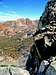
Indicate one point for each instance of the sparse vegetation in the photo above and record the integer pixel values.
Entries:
(11, 47)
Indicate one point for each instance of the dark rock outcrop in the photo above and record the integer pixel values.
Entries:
(45, 44)
(49, 15)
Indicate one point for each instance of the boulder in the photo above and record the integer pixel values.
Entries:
(19, 71)
(13, 71)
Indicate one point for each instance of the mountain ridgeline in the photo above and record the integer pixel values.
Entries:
(10, 28)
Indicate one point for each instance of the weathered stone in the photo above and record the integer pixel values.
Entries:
(13, 71)
(4, 71)
(19, 71)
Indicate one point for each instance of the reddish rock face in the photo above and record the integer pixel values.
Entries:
(22, 22)
(3, 27)
(11, 27)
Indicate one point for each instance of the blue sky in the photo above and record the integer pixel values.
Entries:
(13, 9)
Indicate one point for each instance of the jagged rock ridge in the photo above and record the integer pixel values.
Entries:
(49, 15)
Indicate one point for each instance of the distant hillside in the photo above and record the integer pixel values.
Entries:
(20, 25)
(16, 41)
